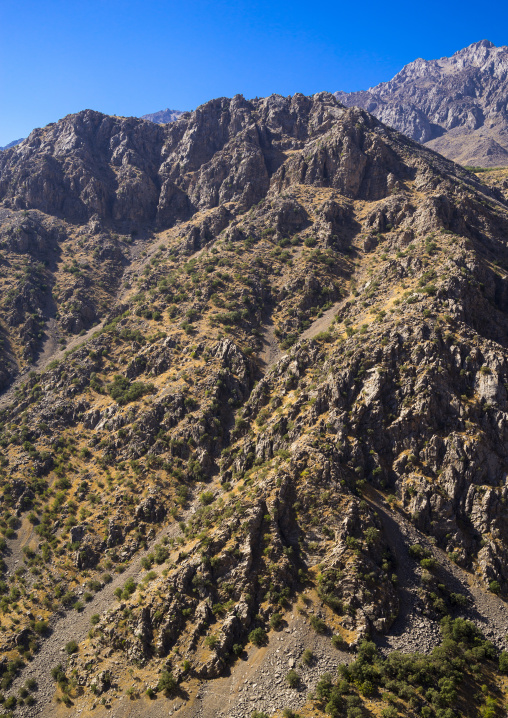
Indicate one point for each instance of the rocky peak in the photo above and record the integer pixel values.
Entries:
(456, 105)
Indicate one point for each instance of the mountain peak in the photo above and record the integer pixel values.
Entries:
(477, 45)
(163, 116)
(454, 103)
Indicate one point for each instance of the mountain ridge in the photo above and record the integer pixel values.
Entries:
(254, 415)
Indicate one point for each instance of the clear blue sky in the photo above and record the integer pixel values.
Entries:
(131, 57)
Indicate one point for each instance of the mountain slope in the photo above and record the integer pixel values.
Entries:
(455, 105)
(277, 415)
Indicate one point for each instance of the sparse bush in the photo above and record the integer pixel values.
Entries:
(41, 627)
(211, 641)
(293, 679)
(71, 647)
(206, 498)
(275, 620)
(123, 391)
(317, 624)
(258, 637)
(495, 587)
(167, 682)
(307, 657)
(503, 662)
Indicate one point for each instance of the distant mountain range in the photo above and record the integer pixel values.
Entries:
(12, 144)
(456, 105)
(163, 116)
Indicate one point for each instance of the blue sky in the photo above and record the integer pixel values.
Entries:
(130, 57)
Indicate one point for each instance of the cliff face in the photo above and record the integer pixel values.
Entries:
(255, 372)
(455, 105)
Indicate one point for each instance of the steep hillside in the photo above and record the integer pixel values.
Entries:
(254, 414)
(455, 105)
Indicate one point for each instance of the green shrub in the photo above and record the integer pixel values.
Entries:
(41, 627)
(206, 498)
(211, 641)
(389, 712)
(307, 657)
(167, 683)
(275, 620)
(123, 391)
(293, 679)
(428, 563)
(503, 662)
(317, 624)
(258, 637)
(71, 647)
(495, 587)
(338, 642)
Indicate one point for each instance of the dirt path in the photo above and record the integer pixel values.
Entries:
(271, 351)
(13, 555)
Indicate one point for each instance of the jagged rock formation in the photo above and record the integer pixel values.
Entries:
(455, 105)
(163, 116)
(285, 330)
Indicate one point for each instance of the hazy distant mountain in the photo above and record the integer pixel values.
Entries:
(455, 105)
(163, 116)
(12, 144)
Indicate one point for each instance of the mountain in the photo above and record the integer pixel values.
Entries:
(253, 421)
(455, 105)
(12, 144)
(163, 116)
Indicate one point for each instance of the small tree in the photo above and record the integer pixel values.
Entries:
(292, 679)
(258, 637)
(503, 662)
(167, 683)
